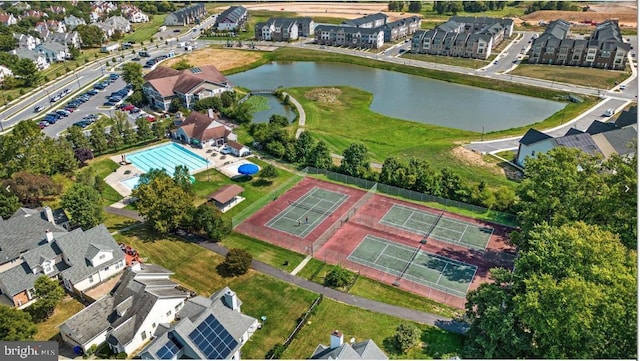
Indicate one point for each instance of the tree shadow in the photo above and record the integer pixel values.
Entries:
(223, 271)
(262, 183)
(243, 178)
(390, 347)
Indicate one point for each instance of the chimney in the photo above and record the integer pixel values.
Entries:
(336, 339)
(231, 300)
(210, 113)
(48, 235)
(49, 213)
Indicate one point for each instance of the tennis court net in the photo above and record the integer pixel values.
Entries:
(324, 212)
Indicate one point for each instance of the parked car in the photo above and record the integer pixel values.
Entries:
(176, 31)
(609, 112)
(54, 115)
(134, 110)
(99, 86)
(225, 150)
(108, 104)
(38, 109)
(623, 87)
(115, 99)
(62, 112)
(81, 124)
(114, 76)
(92, 92)
(43, 124)
(128, 107)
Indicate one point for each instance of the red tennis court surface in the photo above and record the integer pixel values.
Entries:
(352, 229)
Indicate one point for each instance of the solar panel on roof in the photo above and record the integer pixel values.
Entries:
(167, 351)
(213, 339)
(196, 70)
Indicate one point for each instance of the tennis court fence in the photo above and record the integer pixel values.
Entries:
(408, 194)
(326, 235)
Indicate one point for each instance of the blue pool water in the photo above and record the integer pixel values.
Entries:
(166, 157)
(131, 183)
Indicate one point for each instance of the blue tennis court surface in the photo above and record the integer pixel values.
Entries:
(166, 157)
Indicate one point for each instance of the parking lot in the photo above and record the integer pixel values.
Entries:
(94, 106)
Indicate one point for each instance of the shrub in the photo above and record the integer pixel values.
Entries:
(407, 336)
(236, 262)
(275, 352)
(338, 277)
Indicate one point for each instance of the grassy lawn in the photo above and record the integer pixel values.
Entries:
(361, 324)
(447, 60)
(195, 268)
(254, 188)
(115, 222)
(341, 123)
(144, 31)
(597, 78)
(316, 270)
(264, 252)
(64, 310)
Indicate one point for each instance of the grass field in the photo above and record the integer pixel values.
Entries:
(264, 252)
(144, 31)
(447, 60)
(361, 324)
(64, 310)
(596, 78)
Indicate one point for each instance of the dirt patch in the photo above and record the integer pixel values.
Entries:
(324, 95)
(625, 13)
(223, 59)
(472, 158)
(333, 10)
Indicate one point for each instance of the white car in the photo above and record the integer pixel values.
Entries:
(609, 112)
(623, 87)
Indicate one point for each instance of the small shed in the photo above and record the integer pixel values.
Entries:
(227, 197)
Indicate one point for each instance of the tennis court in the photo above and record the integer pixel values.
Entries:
(303, 215)
(446, 229)
(413, 264)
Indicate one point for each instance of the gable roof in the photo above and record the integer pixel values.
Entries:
(583, 142)
(600, 127)
(533, 136)
(167, 81)
(365, 350)
(91, 321)
(627, 117)
(25, 230)
(192, 314)
(226, 193)
(203, 128)
(233, 14)
(573, 131)
(75, 246)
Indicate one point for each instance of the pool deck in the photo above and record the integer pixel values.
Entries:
(218, 161)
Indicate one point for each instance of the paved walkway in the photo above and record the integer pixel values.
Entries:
(301, 265)
(442, 322)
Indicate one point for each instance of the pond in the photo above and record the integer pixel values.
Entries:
(409, 97)
(275, 107)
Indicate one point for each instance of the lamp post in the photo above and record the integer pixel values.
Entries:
(78, 80)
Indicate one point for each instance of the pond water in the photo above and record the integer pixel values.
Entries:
(409, 97)
(275, 107)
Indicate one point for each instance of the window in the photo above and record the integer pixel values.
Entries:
(169, 313)
(106, 269)
(143, 334)
(91, 279)
(102, 256)
(47, 268)
(153, 325)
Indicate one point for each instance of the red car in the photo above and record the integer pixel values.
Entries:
(151, 118)
(128, 107)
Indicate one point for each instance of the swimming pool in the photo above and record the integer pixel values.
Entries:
(131, 183)
(166, 157)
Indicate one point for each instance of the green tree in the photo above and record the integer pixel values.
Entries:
(304, 146)
(276, 149)
(143, 129)
(15, 324)
(355, 161)
(278, 120)
(407, 336)
(183, 64)
(227, 99)
(321, 156)
(268, 172)
(207, 220)
(159, 130)
(182, 178)
(236, 262)
(49, 294)
(162, 202)
(77, 138)
(114, 138)
(98, 138)
(27, 70)
(91, 35)
(415, 6)
(31, 189)
(9, 203)
(132, 74)
(338, 277)
(84, 205)
(8, 43)
(203, 105)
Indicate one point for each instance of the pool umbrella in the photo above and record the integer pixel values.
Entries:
(248, 169)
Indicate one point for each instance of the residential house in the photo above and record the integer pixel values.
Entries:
(211, 328)
(8, 19)
(129, 316)
(605, 139)
(226, 197)
(370, 21)
(401, 28)
(40, 61)
(339, 350)
(469, 37)
(81, 259)
(4, 72)
(186, 15)
(36, 14)
(118, 23)
(284, 29)
(163, 84)
(56, 26)
(337, 35)
(69, 39)
(56, 9)
(202, 130)
(26, 41)
(605, 48)
(72, 22)
(54, 52)
(100, 8)
(137, 17)
(21, 5)
(232, 18)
